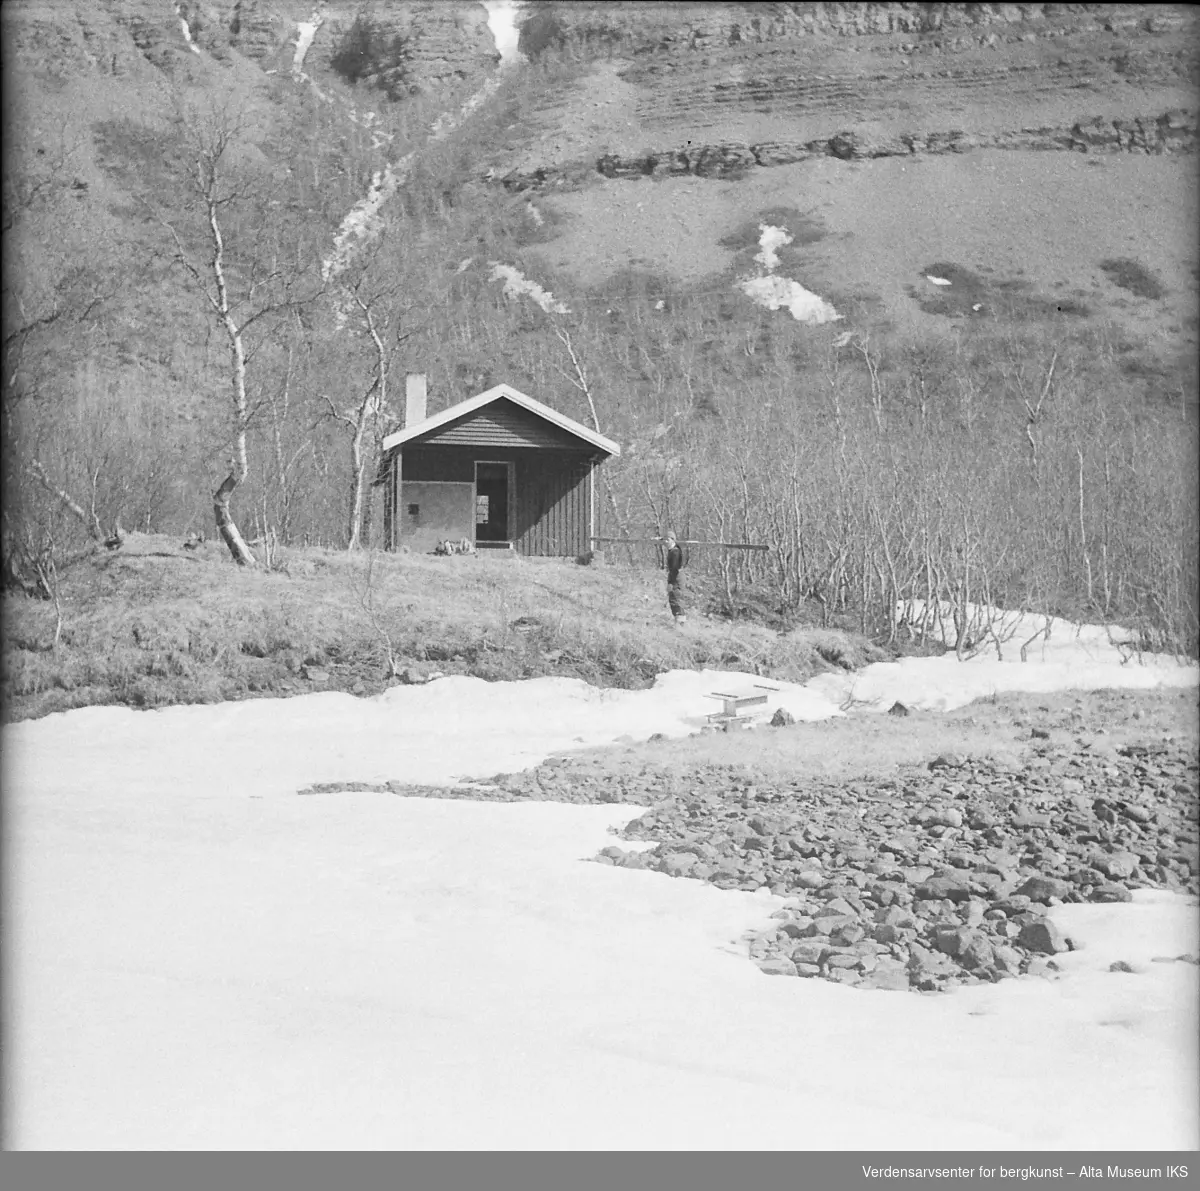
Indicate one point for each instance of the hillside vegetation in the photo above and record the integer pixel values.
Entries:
(1024, 434)
(153, 624)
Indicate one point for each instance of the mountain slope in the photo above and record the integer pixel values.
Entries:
(907, 293)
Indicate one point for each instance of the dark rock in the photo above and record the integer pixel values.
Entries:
(1039, 888)
(782, 718)
(976, 951)
(839, 905)
(810, 952)
(677, 864)
(949, 888)
(1110, 893)
(826, 924)
(850, 934)
(841, 960)
(1041, 936)
(1117, 865)
(891, 978)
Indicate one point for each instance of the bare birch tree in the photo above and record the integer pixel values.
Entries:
(251, 285)
(211, 140)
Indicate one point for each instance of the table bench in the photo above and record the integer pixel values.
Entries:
(733, 705)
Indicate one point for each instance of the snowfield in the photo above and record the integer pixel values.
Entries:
(201, 959)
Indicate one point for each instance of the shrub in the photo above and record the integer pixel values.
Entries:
(367, 52)
(1134, 277)
(541, 31)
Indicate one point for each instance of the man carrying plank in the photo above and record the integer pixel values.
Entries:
(675, 564)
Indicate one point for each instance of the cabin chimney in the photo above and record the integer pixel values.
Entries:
(414, 399)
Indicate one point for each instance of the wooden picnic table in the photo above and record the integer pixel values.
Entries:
(732, 705)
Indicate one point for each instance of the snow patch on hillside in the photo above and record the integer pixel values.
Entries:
(781, 293)
(362, 222)
(778, 293)
(305, 32)
(516, 284)
(446, 124)
(772, 239)
(187, 29)
(502, 21)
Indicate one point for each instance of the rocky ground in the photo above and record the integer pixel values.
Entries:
(942, 872)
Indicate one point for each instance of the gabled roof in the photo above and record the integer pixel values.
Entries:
(496, 394)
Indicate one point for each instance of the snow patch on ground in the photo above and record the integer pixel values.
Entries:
(516, 284)
(994, 632)
(1022, 652)
(942, 684)
(200, 959)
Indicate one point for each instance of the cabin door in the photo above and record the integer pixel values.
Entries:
(493, 497)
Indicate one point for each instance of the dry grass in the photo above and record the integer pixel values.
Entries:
(869, 745)
(152, 625)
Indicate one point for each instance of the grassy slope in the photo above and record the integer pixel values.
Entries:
(153, 624)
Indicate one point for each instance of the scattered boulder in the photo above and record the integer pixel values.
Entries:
(951, 888)
(1042, 937)
(1117, 865)
(1111, 893)
(678, 864)
(1039, 889)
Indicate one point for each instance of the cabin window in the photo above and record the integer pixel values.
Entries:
(414, 510)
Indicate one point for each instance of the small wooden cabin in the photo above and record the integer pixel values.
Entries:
(500, 470)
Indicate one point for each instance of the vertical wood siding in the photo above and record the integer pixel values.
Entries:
(556, 509)
(550, 506)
